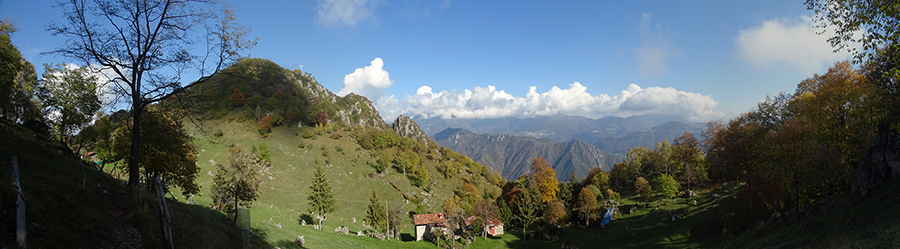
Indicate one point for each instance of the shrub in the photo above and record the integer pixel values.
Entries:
(237, 98)
(219, 133)
(336, 136)
(667, 186)
(307, 132)
(642, 186)
(265, 125)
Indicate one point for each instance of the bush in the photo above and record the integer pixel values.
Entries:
(237, 98)
(219, 133)
(265, 125)
(307, 132)
(336, 136)
(667, 186)
(642, 186)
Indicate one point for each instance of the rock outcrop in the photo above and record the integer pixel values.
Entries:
(405, 127)
(881, 163)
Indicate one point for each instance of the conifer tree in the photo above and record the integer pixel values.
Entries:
(321, 200)
(375, 215)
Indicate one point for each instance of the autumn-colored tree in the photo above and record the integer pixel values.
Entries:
(555, 214)
(278, 95)
(487, 210)
(544, 179)
(597, 178)
(469, 194)
(237, 98)
(322, 118)
(687, 153)
(265, 125)
(586, 205)
(642, 186)
(289, 115)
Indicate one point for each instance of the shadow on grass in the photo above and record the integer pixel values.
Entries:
(405, 237)
(285, 244)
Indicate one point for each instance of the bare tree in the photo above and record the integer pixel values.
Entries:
(149, 45)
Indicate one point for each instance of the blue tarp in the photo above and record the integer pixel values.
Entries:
(607, 217)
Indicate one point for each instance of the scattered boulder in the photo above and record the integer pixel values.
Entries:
(359, 233)
(880, 164)
(303, 222)
(300, 240)
(345, 230)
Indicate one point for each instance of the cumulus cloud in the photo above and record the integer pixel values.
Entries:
(654, 50)
(367, 81)
(370, 81)
(489, 102)
(334, 13)
(792, 42)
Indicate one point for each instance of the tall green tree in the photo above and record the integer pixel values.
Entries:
(238, 183)
(148, 47)
(528, 207)
(168, 150)
(321, 200)
(19, 87)
(72, 98)
(667, 186)
(872, 24)
(375, 213)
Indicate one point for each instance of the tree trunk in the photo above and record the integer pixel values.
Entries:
(134, 157)
(235, 208)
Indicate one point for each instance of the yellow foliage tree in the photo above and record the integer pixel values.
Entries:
(544, 179)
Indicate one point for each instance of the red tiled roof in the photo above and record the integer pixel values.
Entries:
(430, 219)
(492, 222)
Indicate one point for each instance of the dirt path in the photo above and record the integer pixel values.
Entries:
(123, 235)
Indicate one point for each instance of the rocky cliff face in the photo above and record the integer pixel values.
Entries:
(881, 163)
(405, 127)
(350, 110)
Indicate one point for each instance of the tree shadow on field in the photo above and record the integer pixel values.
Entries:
(305, 217)
(285, 244)
(406, 237)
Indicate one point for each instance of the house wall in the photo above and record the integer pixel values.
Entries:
(420, 232)
(498, 230)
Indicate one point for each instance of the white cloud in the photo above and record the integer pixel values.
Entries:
(370, 81)
(654, 50)
(489, 102)
(333, 13)
(792, 42)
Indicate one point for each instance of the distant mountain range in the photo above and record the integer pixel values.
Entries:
(556, 127)
(569, 143)
(512, 155)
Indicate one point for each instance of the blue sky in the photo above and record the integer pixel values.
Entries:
(480, 59)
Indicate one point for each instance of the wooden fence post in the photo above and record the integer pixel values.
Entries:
(20, 205)
(164, 221)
